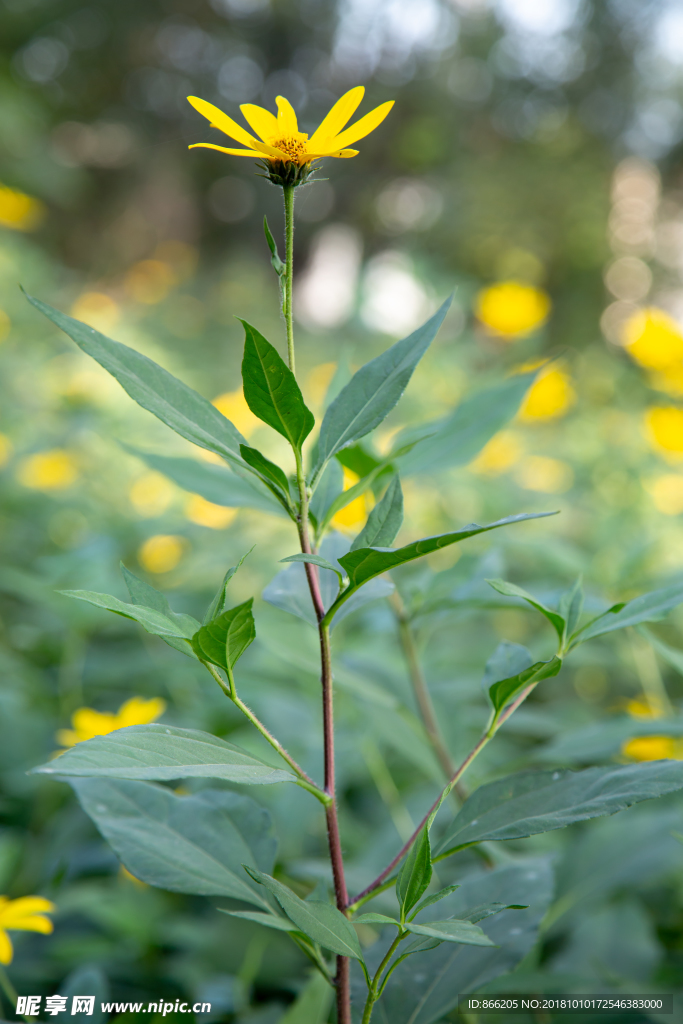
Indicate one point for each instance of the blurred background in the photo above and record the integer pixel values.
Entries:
(533, 161)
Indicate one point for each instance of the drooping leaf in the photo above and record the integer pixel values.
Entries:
(225, 639)
(150, 619)
(273, 477)
(363, 564)
(452, 931)
(415, 874)
(384, 521)
(571, 606)
(280, 924)
(532, 802)
(505, 691)
(319, 920)
(216, 484)
(374, 390)
(511, 590)
(218, 603)
(194, 844)
(154, 388)
(162, 753)
(456, 440)
(146, 596)
(271, 390)
(647, 608)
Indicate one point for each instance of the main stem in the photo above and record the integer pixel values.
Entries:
(342, 978)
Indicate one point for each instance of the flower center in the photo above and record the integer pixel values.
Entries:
(294, 148)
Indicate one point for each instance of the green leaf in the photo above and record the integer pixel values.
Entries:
(452, 931)
(533, 802)
(485, 910)
(313, 1004)
(330, 486)
(374, 390)
(218, 603)
(271, 390)
(384, 521)
(272, 476)
(145, 596)
(319, 920)
(506, 690)
(376, 919)
(511, 590)
(415, 874)
(456, 440)
(278, 266)
(163, 753)
(365, 563)
(647, 608)
(225, 639)
(150, 619)
(571, 606)
(350, 494)
(322, 563)
(214, 483)
(193, 844)
(154, 388)
(280, 924)
(507, 660)
(434, 898)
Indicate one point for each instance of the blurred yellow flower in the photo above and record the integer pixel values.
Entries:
(667, 493)
(161, 553)
(653, 748)
(540, 473)
(664, 425)
(97, 310)
(5, 449)
(234, 406)
(280, 139)
(205, 513)
(318, 381)
(5, 325)
(642, 707)
(19, 211)
(502, 452)
(356, 512)
(48, 471)
(653, 339)
(550, 396)
(86, 722)
(25, 914)
(150, 281)
(151, 494)
(512, 309)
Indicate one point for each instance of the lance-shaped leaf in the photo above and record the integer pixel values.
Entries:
(507, 660)
(318, 560)
(647, 608)
(511, 590)
(415, 874)
(533, 802)
(271, 390)
(272, 476)
(436, 897)
(381, 919)
(344, 498)
(150, 619)
(571, 606)
(154, 388)
(363, 564)
(218, 603)
(456, 440)
(319, 920)
(505, 691)
(374, 390)
(384, 521)
(216, 484)
(452, 931)
(143, 594)
(280, 924)
(225, 639)
(192, 844)
(161, 753)
(279, 267)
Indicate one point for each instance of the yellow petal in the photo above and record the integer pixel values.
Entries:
(67, 737)
(222, 149)
(361, 128)
(345, 154)
(221, 121)
(270, 151)
(88, 723)
(6, 950)
(137, 711)
(33, 923)
(23, 908)
(262, 121)
(286, 118)
(340, 113)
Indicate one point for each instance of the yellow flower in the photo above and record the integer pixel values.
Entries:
(653, 339)
(19, 211)
(26, 915)
(512, 309)
(151, 494)
(161, 553)
(665, 427)
(281, 142)
(652, 748)
(501, 452)
(234, 406)
(356, 512)
(551, 395)
(540, 473)
(667, 493)
(87, 722)
(644, 707)
(48, 471)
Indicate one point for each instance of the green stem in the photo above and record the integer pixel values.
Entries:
(373, 994)
(288, 195)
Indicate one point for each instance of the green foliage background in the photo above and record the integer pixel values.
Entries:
(508, 136)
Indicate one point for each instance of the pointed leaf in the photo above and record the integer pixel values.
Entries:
(144, 595)
(374, 390)
(154, 388)
(218, 603)
(322, 563)
(163, 753)
(150, 619)
(271, 390)
(511, 590)
(647, 608)
(415, 874)
(505, 691)
(452, 931)
(384, 521)
(273, 477)
(507, 660)
(190, 844)
(225, 639)
(280, 924)
(376, 919)
(485, 910)
(434, 898)
(319, 920)
(278, 266)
